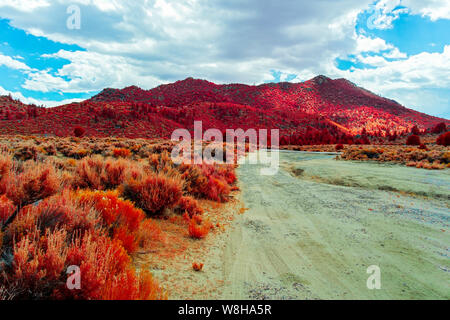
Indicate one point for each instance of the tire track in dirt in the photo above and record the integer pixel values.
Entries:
(304, 239)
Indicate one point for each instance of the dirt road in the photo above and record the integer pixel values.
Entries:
(313, 229)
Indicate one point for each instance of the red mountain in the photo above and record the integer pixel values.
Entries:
(11, 109)
(320, 110)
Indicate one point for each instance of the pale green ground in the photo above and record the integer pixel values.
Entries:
(309, 233)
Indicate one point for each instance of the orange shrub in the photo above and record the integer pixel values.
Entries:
(6, 164)
(154, 193)
(121, 152)
(217, 190)
(88, 173)
(114, 210)
(26, 152)
(59, 211)
(96, 173)
(6, 209)
(148, 233)
(208, 181)
(119, 216)
(197, 266)
(37, 181)
(100, 259)
(199, 228)
(190, 206)
(129, 286)
(195, 181)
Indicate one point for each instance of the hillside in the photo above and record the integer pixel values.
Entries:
(11, 109)
(320, 110)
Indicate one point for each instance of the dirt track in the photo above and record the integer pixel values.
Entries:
(312, 230)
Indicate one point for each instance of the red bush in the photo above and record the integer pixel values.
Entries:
(40, 261)
(6, 209)
(96, 173)
(440, 127)
(149, 232)
(199, 228)
(197, 266)
(190, 206)
(217, 190)
(79, 132)
(413, 140)
(121, 152)
(154, 193)
(130, 286)
(120, 217)
(38, 264)
(35, 182)
(444, 139)
(59, 211)
(6, 164)
(415, 130)
(99, 259)
(339, 147)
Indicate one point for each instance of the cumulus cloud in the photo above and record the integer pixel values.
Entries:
(147, 43)
(89, 71)
(368, 44)
(12, 63)
(434, 9)
(385, 12)
(160, 41)
(27, 100)
(421, 71)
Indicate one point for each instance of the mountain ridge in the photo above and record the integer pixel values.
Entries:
(321, 106)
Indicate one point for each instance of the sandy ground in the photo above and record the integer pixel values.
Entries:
(312, 230)
(171, 259)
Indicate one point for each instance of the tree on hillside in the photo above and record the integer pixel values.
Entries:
(444, 139)
(413, 140)
(79, 132)
(439, 128)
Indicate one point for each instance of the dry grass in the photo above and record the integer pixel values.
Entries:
(431, 157)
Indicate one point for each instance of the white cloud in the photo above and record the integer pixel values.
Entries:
(404, 80)
(424, 70)
(147, 43)
(12, 63)
(27, 100)
(395, 54)
(24, 5)
(385, 12)
(379, 50)
(375, 61)
(434, 9)
(224, 41)
(88, 71)
(368, 44)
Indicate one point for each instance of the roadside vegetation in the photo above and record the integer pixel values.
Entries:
(95, 204)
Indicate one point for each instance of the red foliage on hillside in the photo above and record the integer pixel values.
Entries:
(444, 139)
(413, 140)
(318, 111)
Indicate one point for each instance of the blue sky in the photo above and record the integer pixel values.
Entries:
(397, 48)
